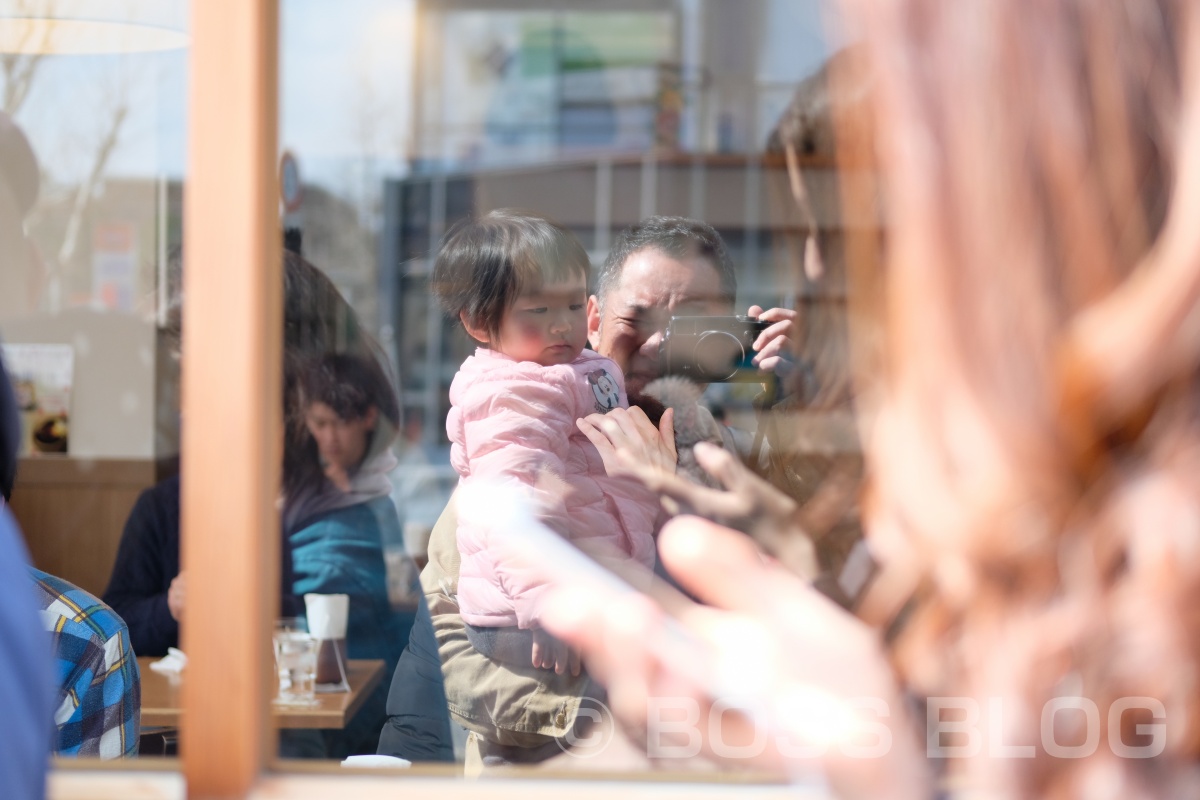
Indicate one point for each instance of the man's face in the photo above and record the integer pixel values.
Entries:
(341, 442)
(651, 288)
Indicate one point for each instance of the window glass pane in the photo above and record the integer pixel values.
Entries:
(398, 120)
(89, 224)
(407, 118)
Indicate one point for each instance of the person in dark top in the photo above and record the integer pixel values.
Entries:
(147, 567)
(417, 727)
(147, 588)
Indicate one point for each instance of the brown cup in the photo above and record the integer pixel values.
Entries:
(327, 660)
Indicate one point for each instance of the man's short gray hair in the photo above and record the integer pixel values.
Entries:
(678, 237)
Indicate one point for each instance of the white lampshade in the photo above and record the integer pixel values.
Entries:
(64, 27)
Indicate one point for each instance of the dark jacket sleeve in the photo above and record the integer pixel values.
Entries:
(147, 561)
(418, 724)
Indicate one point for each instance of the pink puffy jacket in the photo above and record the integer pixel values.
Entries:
(511, 419)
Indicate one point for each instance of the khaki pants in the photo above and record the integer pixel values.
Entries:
(508, 705)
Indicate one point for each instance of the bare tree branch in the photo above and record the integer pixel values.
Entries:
(83, 196)
(21, 67)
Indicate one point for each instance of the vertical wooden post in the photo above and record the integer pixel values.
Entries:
(231, 393)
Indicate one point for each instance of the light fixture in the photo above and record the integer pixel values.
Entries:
(80, 27)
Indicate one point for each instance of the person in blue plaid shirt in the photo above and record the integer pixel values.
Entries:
(99, 686)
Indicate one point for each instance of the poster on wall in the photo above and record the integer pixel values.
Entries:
(41, 376)
(114, 265)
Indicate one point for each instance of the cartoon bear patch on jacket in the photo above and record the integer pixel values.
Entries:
(604, 387)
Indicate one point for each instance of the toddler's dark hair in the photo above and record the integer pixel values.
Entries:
(487, 262)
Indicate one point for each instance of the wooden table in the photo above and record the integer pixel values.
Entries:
(161, 699)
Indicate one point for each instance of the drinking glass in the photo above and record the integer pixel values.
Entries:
(296, 663)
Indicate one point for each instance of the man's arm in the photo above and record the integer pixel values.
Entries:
(106, 722)
(99, 686)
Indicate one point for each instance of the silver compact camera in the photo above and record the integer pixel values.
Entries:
(711, 349)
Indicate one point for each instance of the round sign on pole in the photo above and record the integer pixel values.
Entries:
(291, 192)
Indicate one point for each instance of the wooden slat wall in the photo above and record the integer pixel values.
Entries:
(72, 512)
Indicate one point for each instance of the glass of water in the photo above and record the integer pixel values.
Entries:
(295, 662)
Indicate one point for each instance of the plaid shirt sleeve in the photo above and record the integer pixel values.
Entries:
(99, 687)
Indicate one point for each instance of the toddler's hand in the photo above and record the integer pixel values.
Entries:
(552, 653)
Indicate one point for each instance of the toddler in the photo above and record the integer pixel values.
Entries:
(518, 283)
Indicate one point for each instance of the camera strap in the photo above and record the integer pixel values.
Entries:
(763, 403)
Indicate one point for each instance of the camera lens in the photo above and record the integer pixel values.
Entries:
(718, 354)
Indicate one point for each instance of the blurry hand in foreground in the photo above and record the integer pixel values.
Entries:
(814, 677)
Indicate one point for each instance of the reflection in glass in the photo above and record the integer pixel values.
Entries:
(407, 117)
(98, 88)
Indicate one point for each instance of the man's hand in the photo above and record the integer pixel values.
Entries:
(176, 593)
(626, 436)
(338, 476)
(773, 344)
(744, 501)
(551, 653)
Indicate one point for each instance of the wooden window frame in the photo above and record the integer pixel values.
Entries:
(232, 430)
